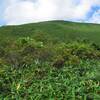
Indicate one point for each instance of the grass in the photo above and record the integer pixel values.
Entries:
(43, 82)
(54, 31)
(54, 60)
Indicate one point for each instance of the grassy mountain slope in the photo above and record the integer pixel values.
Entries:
(41, 61)
(53, 30)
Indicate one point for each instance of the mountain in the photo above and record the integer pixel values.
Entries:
(48, 61)
(53, 30)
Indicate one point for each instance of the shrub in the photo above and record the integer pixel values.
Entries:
(13, 58)
(28, 50)
(73, 60)
(45, 54)
(2, 52)
(27, 41)
(83, 50)
(59, 62)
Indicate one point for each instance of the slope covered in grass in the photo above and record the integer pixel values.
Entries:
(54, 60)
(54, 31)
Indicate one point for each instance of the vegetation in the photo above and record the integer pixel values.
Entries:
(54, 31)
(47, 66)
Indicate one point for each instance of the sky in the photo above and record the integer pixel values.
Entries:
(15, 12)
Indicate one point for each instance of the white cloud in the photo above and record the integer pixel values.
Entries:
(95, 18)
(25, 11)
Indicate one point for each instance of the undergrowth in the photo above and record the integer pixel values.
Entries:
(34, 70)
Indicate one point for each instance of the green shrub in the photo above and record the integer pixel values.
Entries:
(83, 50)
(13, 58)
(73, 60)
(59, 62)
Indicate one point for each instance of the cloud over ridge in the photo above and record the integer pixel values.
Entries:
(25, 11)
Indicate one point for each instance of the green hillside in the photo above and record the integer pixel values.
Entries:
(52, 60)
(54, 30)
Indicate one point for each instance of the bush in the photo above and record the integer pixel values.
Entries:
(83, 50)
(13, 58)
(27, 41)
(59, 62)
(21, 52)
(73, 60)
(24, 51)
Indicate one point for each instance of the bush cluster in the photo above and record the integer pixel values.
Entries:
(34, 70)
(24, 51)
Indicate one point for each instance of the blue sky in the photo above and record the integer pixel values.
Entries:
(1, 10)
(15, 12)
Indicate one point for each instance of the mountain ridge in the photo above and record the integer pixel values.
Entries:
(55, 30)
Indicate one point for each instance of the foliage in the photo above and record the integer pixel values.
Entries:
(44, 81)
(34, 70)
(52, 31)
(54, 60)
